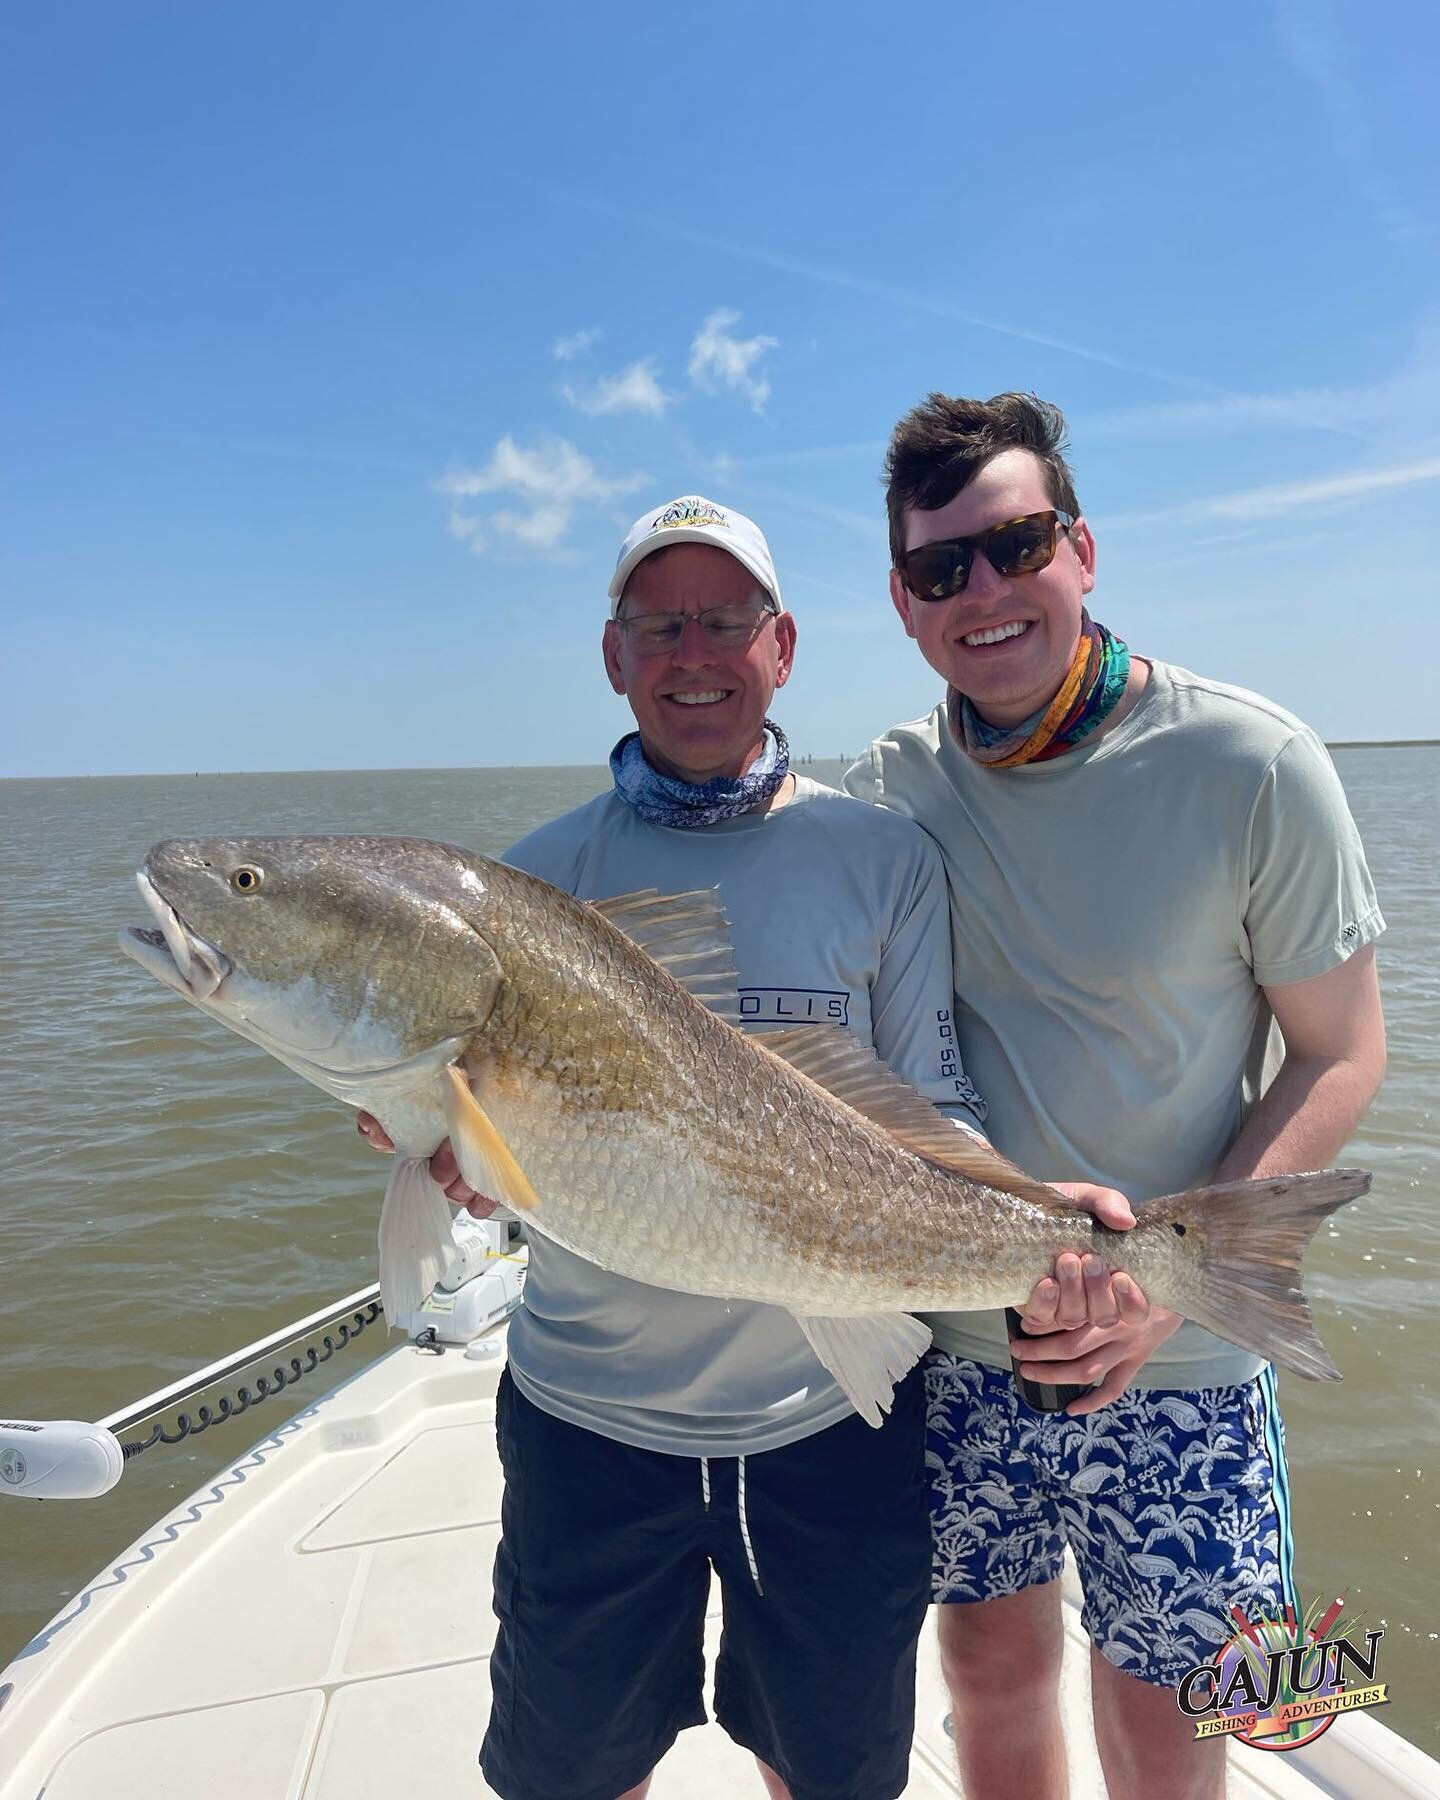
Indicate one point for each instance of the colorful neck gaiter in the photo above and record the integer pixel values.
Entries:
(1089, 693)
(665, 800)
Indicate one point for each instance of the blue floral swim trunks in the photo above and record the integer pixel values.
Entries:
(1175, 1504)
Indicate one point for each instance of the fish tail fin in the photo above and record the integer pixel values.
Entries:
(1252, 1235)
(416, 1243)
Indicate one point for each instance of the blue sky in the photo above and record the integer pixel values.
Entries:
(342, 342)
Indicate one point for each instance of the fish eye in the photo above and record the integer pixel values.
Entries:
(246, 879)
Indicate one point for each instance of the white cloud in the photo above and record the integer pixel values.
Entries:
(636, 389)
(1230, 415)
(936, 306)
(1397, 409)
(1275, 501)
(718, 360)
(868, 524)
(551, 481)
(566, 349)
(1268, 502)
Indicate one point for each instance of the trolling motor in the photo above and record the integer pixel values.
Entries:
(71, 1459)
(58, 1459)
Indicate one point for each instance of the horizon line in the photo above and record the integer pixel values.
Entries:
(1408, 743)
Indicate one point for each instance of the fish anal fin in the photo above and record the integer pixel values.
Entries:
(688, 935)
(867, 1356)
(483, 1155)
(837, 1061)
(416, 1244)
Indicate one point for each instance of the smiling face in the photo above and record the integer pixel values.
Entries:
(700, 706)
(1006, 642)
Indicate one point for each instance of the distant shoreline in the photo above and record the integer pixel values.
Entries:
(800, 760)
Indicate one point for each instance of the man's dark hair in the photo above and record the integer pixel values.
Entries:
(944, 443)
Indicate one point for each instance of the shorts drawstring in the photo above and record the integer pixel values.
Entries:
(744, 1522)
(745, 1533)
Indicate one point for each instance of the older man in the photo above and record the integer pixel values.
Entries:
(1147, 869)
(649, 1437)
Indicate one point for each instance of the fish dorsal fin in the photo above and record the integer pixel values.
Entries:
(838, 1062)
(688, 935)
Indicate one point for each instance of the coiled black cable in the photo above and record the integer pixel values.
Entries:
(265, 1388)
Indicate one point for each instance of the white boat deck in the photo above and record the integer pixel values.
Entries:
(316, 1625)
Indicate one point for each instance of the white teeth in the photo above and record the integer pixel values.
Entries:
(699, 699)
(209, 969)
(199, 964)
(169, 923)
(997, 634)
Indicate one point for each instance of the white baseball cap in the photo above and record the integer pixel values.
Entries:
(692, 519)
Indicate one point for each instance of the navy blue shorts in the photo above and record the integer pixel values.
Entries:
(602, 1580)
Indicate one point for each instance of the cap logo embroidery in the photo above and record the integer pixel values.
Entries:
(690, 511)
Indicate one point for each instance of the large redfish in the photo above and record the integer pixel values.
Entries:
(585, 1061)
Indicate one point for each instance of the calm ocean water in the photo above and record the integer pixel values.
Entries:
(169, 1193)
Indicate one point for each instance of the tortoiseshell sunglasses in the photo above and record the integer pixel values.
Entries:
(1018, 547)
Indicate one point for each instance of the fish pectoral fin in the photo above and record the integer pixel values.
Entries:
(867, 1356)
(688, 935)
(483, 1155)
(835, 1060)
(415, 1239)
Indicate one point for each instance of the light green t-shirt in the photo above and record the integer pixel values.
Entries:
(1115, 914)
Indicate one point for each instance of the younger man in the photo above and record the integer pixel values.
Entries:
(1146, 869)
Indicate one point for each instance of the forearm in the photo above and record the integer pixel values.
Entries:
(1302, 1122)
(1306, 1117)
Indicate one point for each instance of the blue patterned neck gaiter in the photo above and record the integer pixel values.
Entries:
(682, 805)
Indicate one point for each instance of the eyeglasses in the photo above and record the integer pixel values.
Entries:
(727, 627)
(1018, 547)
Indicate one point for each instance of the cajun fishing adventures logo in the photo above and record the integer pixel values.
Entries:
(1281, 1683)
(692, 511)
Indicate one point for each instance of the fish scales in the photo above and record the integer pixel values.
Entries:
(763, 1163)
(582, 1083)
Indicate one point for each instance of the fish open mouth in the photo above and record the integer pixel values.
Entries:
(179, 956)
